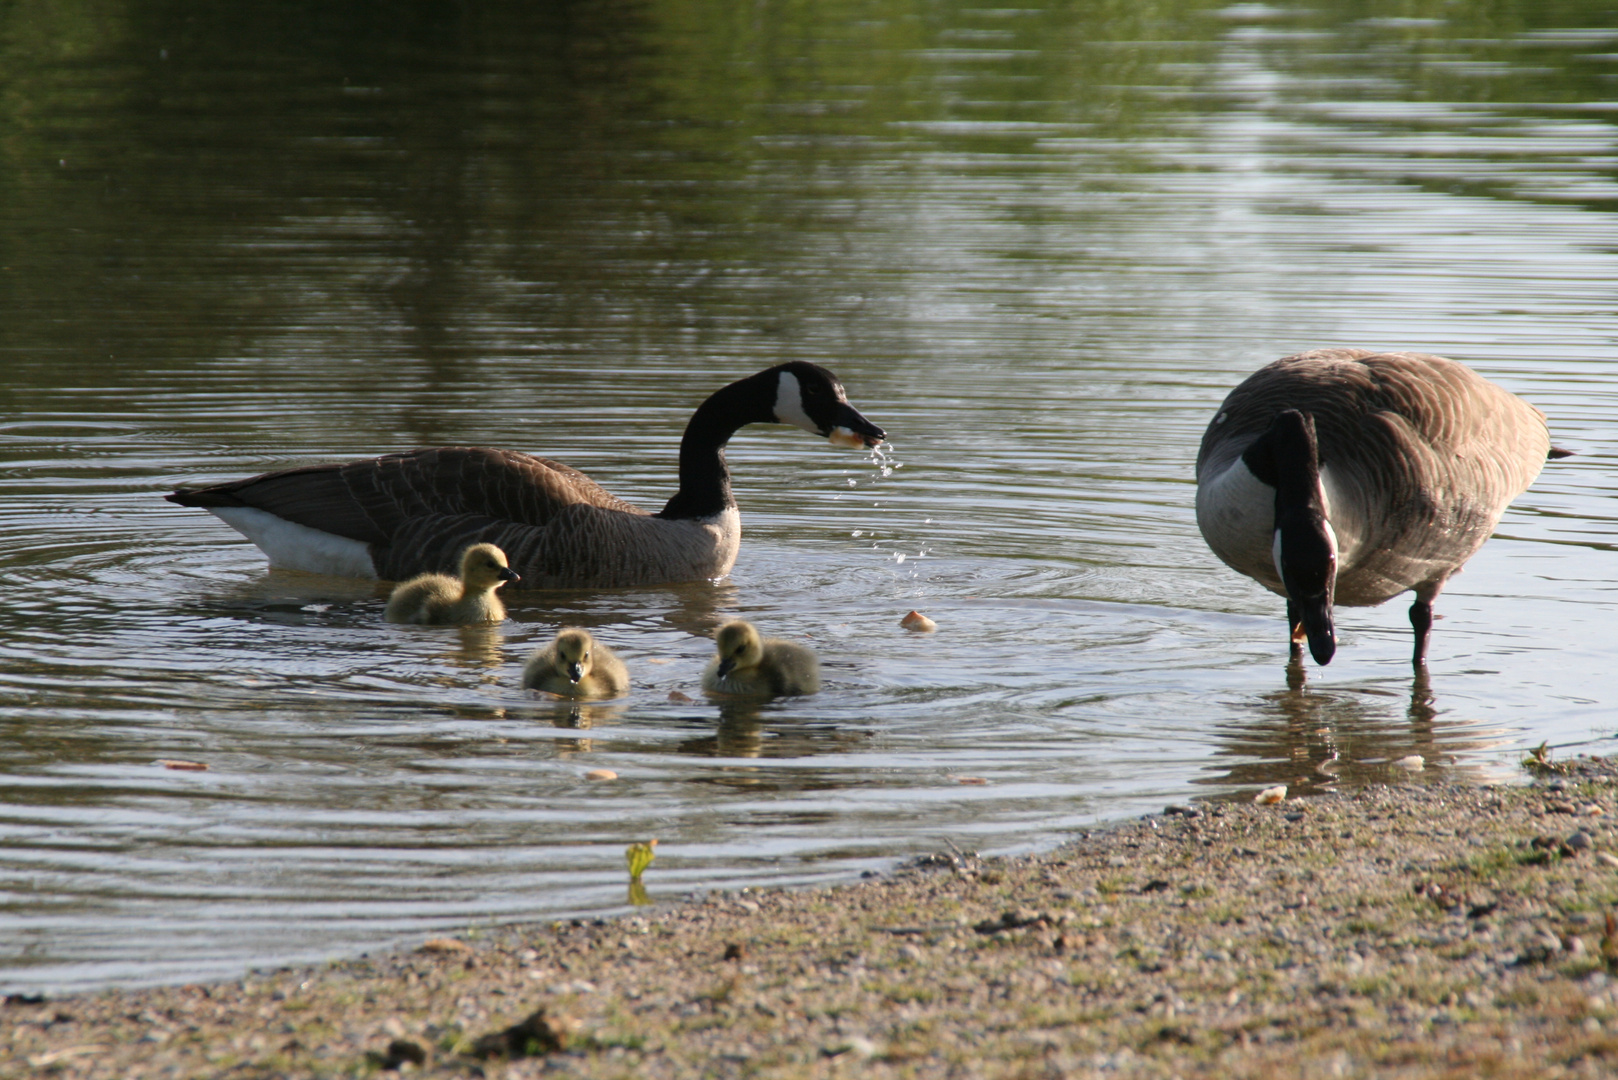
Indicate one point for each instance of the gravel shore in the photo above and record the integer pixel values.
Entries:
(1422, 930)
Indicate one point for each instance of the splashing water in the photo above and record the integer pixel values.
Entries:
(882, 458)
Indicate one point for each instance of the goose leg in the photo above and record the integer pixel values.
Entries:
(1421, 621)
(1295, 631)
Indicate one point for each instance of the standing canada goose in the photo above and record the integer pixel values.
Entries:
(441, 600)
(576, 665)
(748, 664)
(403, 514)
(1348, 476)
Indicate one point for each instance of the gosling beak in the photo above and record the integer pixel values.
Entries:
(575, 671)
(853, 430)
(508, 574)
(726, 666)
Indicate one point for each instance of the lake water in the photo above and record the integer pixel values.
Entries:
(1038, 244)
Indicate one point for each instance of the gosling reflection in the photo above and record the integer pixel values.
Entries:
(1319, 740)
(577, 715)
(478, 647)
(759, 730)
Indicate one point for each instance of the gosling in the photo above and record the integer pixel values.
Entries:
(575, 665)
(440, 600)
(749, 664)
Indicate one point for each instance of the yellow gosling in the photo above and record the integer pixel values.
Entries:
(576, 665)
(749, 664)
(440, 600)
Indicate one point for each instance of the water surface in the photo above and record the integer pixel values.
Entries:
(1037, 244)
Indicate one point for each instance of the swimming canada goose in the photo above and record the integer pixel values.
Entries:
(1361, 475)
(395, 516)
(441, 600)
(748, 664)
(576, 665)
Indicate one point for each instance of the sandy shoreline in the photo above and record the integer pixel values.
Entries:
(1423, 930)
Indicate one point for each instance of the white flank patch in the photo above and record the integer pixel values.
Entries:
(789, 405)
(1236, 513)
(297, 547)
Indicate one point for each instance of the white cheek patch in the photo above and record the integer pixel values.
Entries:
(789, 405)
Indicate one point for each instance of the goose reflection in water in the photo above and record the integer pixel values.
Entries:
(1313, 740)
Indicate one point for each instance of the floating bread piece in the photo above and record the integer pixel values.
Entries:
(918, 622)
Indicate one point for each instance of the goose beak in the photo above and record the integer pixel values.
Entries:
(1306, 555)
(575, 671)
(508, 574)
(726, 666)
(853, 430)
(1315, 625)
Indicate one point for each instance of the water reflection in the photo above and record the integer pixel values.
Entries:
(1318, 740)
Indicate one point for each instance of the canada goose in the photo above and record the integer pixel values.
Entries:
(576, 665)
(748, 664)
(399, 515)
(441, 600)
(1362, 474)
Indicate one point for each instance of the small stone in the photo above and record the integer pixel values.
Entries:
(1606, 858)
(444, 945)
(1271, 795)
(680, 699)
(601, 774)
(1410, 763)
(182, 766)
(856, 1046)
(538, 1034)
(1579, 841)
(401, 1051)
(918, 622)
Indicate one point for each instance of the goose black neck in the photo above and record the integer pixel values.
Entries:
(1287, 458)
(704, 476)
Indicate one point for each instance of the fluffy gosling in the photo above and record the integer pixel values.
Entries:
(440, 600)
(749, 664)
(576, 665)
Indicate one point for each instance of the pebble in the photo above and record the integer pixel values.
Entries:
(1411, 763)
(1271, 795)
(857, 1045)
(601, 774)
(1579, 841)
(1607, 858)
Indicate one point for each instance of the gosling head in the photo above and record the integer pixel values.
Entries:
(484, 567)
(573, 653)
(739, 647)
